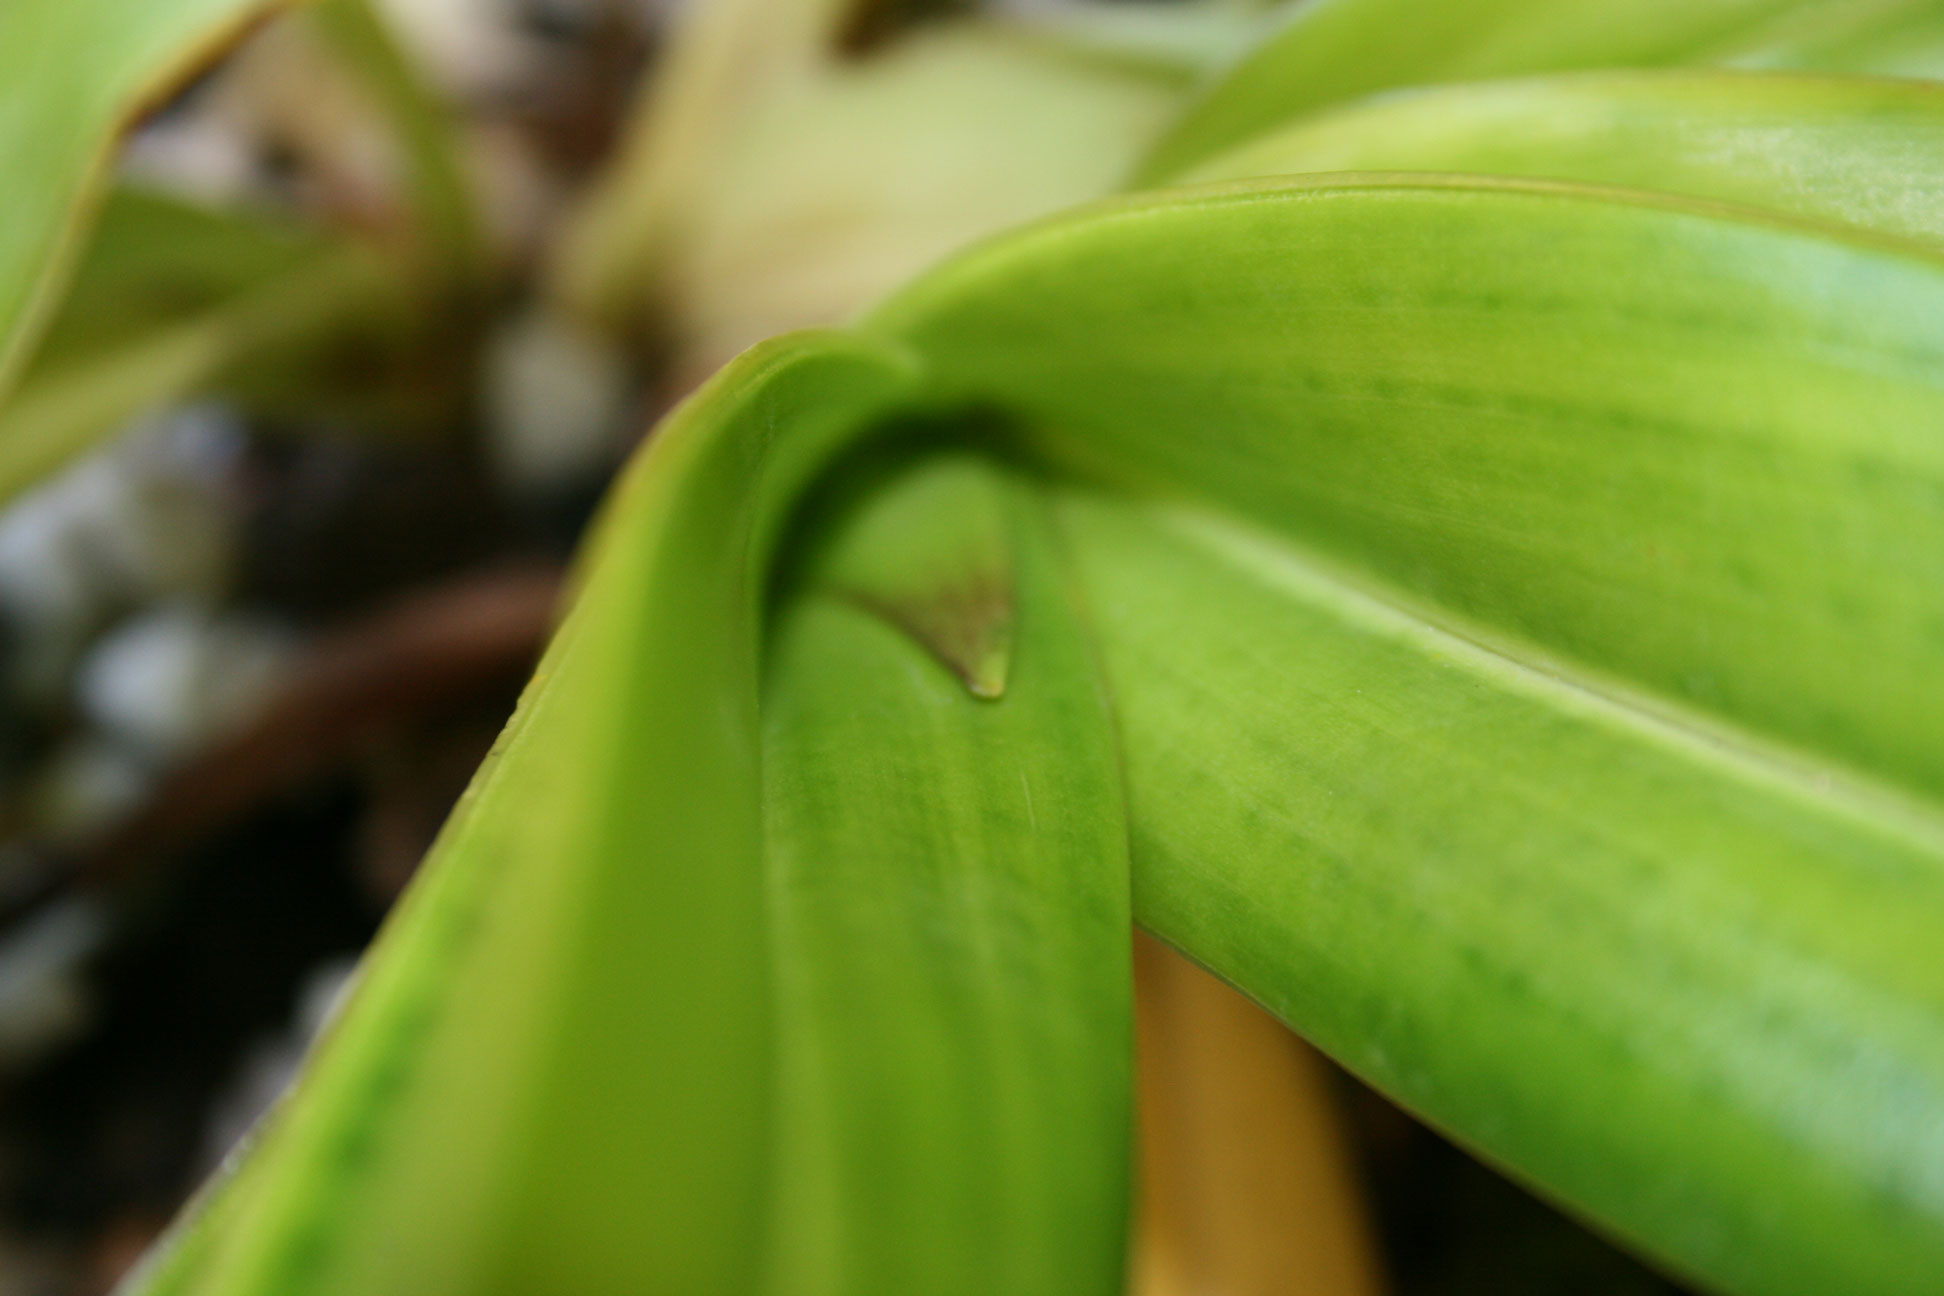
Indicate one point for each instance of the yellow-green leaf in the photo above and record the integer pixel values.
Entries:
(555, 1074)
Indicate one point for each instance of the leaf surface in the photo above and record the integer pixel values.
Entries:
(1662, 476)
(1517, 601)
(950, 890)
(1687, 447)
(1690, 992)
(555, 1072)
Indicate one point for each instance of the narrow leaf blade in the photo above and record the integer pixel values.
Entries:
(555, 1072)
(951, 907)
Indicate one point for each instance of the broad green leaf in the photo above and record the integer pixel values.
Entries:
(1327, 51)
(555, 1073)
(1689, 989)
(153, 259)
(1864, 152)
(169, 300)
(75, 71)
(1675, 464)
(1688, 447)
(1517, 605)
(949, 869)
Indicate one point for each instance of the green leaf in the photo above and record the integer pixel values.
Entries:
(1670, 471)
(1863, 152)
(949, 877)
(555, 1072)
(1687, 988)
(935, 559)
(76, 71)
(1517, 606)
(1328, 51)
(1688, 446)
(172, 299)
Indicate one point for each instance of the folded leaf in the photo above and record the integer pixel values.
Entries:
(949, 874)
(1674, 463)
(1517, 601)
(1687, 448)
(554, 1074)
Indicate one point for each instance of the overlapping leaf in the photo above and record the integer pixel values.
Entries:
(171, 298)
(1670, 466)
(1517, 601)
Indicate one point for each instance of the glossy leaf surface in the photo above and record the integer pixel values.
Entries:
(1610, 426)
(1687, 989)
